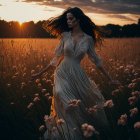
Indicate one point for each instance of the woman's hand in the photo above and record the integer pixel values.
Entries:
(35, 76)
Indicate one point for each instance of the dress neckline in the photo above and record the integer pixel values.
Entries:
(78, 43)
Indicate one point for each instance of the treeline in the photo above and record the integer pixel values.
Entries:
(30, 29)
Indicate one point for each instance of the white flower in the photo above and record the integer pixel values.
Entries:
(122, 120)
(137, 125)
(60, 121)
(108, 103)
(41, 128)
(88, 130)
(133, 112)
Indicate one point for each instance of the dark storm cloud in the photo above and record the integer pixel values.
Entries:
(97, 6)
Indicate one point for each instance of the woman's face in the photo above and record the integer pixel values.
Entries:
(71, 20)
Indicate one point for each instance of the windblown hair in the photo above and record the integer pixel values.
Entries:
(56, 25)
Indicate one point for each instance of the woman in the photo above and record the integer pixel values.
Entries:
(77, 108)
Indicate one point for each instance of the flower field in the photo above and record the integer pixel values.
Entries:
(25, 104)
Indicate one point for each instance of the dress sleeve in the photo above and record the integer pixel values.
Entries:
(92, 55)
(58, 52)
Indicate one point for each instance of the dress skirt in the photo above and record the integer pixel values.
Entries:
(76, 101)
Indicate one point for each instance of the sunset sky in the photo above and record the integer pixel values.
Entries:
(101, 12)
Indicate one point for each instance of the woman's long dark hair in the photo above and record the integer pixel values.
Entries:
(57, 25)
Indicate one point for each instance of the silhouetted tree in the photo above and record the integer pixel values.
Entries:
(30, 29)
(139, 21)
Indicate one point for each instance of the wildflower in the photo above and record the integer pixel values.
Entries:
(130, 66)
(92, 109)
(48, 119)
(36, 99)
(92, 70)
(16, 74)
(30, 105)
(88, 130)
(135, 93)
(48, 81)
(111, 60)
(133, 112)
(47, 94)
(36, 94)
(132, 85)
(137, 125)
(132, 100)
(37, 81)
(136, 74)
(32, 71)
(60, 121)
(43, 79)
(134, 81)
(12, 103)
(50, 98)
(13, 77)
(41, 128)
(38, 66)
(39, 85)
(24, 74)
(23, 84)
(122, 120)
(108, 103)
(121, 67)
(43, 90)
(8, 85)
(126, 71)
(74, 102)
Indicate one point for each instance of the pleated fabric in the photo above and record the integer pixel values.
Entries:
(74, 93)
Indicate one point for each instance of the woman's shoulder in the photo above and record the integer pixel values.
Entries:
(88, 36)
(65, 35)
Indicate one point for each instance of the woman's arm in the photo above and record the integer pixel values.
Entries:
(95, 58)
(58, 53)
(45, 69)
(34, 76)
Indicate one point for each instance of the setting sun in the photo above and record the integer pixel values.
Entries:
(20, 23)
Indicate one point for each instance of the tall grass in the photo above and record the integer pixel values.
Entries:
(25, 103)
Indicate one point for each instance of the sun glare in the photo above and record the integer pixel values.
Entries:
(20, 23)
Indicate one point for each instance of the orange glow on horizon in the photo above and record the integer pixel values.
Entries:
(20, 23)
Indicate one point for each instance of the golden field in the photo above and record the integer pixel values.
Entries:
(25, 102)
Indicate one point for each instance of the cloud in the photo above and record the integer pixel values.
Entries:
(97, 6)
(123, 17)
(125, 10)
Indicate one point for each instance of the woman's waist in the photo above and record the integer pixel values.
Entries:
(71, 59)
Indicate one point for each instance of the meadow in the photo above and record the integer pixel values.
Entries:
(24, 103)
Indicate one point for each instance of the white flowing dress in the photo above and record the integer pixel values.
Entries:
(74, 93)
